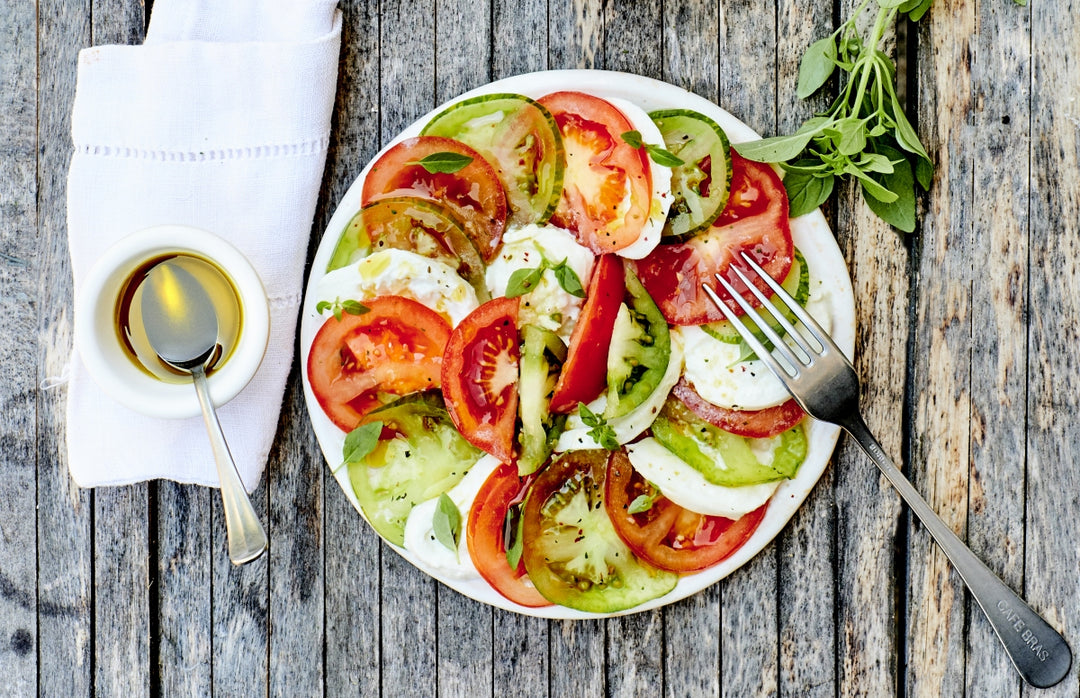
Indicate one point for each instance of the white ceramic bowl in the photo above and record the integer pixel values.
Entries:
(99, 345)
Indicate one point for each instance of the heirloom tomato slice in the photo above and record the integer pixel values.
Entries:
(755, 220)
(755, 424)
(480, 374)
(357, 362)
(472, 190)
(494, 528)
(571, 549)
(607, 186)
(584, 374)
(665, 534)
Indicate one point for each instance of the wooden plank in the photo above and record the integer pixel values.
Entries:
(632, 31)
(121, 591)
(19, 266)
(806, 579)
(635, 654)
(578, 662)
(409, 609)
(465, 629)
(240, 622)
(575, 32)
(1051, 555)
(64, 523)
(183, 589)
(122, 570)
(746, 78)
(295, 558)
(520, 37)
(351, 548)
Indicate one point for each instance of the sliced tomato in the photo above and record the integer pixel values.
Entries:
(607, 186)
(754, 220)
(571, 549)
(394, 349)
(755, 424)
(473, 192)
(489, 532)
(480, 374)
(665, 534)
(584, 373)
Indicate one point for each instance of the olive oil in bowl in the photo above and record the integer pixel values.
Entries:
(132, 334)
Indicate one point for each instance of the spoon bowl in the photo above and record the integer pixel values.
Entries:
(182, 327)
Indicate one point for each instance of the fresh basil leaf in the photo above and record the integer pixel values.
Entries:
(601, 432)
(568, 279)
(777, 148)
(444, 162)
(662, 157)
(924, 7)
(905, 133)
(641, 504)
(354, 307)
(806, 191)
(446, 522)
(871, 187)
(899, 213)
(323, 306)
(817, 64)
(924, 172)
(523, 280)
(361, 441)
(632, 138)
(851, 134)
(516, 526)
(875, 162)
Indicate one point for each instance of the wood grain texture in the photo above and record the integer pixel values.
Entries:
(942, 366)
(1051, 555)
(352, 596)
(806, 549)
(64, 512)
(18, 362)
(868, 511)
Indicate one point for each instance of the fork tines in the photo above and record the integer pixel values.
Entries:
(792, 359)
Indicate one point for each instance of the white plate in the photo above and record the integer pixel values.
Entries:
(811, 235)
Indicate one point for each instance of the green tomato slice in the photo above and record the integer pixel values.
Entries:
(520, 139)
(700, 185)
(425, 457)
(542, 355)
(639, 352)
(417, 225)
(726, 459)
(572, 552)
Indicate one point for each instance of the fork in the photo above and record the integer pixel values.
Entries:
(824, 383)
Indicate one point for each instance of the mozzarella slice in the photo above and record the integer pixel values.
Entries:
(547, 304)
(393, 272)
(660, 177)
(688, 488)
(420, 537)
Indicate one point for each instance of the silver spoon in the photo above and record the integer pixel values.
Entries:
(181, 325)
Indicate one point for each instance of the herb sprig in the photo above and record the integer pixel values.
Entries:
(524, 280)
(864, 134)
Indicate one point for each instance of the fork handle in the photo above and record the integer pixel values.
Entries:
(1039, 653)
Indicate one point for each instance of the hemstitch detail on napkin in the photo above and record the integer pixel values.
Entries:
(282, 150)
(290, 300)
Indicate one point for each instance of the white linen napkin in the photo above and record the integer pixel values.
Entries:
(220, 120)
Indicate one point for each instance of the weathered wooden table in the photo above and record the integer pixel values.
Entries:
(967, 344)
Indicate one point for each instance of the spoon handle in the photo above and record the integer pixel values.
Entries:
(247, 539)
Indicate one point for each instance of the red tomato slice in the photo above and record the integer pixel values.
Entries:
(754, 220)
(474, 192)
(395, 348)
(486, 535)
(480, 374)
(607, 185)
(584, 373)
(667, 535)
(755, 424)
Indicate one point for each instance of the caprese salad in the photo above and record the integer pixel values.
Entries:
(527, 384)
